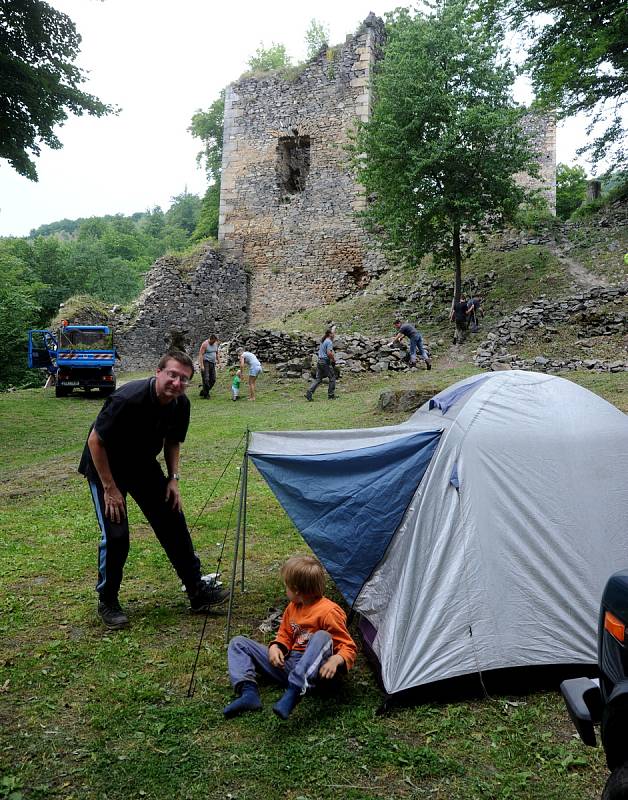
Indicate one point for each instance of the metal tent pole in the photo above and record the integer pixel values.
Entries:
(237, 547)
(245, 489)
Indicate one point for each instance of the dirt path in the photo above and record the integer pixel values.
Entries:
(580, 274)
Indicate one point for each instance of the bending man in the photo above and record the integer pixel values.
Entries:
(120, 457)
(416, 341)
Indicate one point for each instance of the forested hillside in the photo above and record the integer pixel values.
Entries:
(105, 257)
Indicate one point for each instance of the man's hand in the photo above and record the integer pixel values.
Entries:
(115, 509)
(275, 656)
(330, 667)
(173, 496)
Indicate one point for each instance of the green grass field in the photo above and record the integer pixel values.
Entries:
(86, 713)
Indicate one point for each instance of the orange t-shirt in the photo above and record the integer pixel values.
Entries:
(300, 622)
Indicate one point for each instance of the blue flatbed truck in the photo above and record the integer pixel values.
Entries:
(76, 357)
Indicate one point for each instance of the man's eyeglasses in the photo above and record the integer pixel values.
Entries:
(183, 379)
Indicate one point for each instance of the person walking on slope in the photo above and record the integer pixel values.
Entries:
(135, 424)
(208, 360)
(475, 311)
(460, 314)
(416, 342)
(325, 367)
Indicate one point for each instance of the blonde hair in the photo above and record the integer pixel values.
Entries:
(304, 574)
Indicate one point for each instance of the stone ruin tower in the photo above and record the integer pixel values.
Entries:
(288, 200)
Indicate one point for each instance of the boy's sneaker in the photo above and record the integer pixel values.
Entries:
(112, 615)
(203, 599)
(308, 397)
(332, 397)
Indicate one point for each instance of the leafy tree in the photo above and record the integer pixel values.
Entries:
(39, 83)
(444, 141)
(316, 37)
(577, 61)
(267, 58)
(19, 311)
(94, 272)
(184, 212)
(571, 189)
(207, 225)
(153, 222)
(48, 257)
(208, 127)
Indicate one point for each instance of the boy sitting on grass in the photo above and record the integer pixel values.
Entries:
(312, 643)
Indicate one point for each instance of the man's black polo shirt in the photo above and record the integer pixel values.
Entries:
(133, 426)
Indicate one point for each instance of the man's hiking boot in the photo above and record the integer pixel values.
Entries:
(428, 364)
(203, 598)
(112, 615)
(308, 397)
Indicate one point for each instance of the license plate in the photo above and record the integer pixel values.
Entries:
(69, 383)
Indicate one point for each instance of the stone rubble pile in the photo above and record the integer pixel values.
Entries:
(295, 355)
(588, 309)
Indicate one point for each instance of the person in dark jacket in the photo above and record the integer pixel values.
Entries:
(460, 314)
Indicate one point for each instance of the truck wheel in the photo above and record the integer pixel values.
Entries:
(60, 391)
(617, 785)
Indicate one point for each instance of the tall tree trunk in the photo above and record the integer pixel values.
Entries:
(457, 262)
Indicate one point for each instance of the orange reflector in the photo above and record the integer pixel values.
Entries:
(614, 626)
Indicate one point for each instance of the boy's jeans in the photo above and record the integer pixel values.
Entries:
(246, 657)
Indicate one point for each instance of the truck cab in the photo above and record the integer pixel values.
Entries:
(77, 356)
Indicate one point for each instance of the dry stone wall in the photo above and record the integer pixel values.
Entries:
(599, 312)
(288, 200)
(294, 355)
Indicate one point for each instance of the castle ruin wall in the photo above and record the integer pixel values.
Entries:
(181, 305)
(288, 199)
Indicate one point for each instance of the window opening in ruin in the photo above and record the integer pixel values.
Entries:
(293, 163)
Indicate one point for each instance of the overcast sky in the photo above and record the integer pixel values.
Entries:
(160, 61)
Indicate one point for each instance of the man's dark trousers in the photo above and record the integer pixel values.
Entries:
(208, 377)
(324, 370)
(148, 489)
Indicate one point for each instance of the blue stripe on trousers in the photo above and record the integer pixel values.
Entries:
(102, 546)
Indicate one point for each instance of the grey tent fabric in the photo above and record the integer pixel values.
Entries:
(505, 565)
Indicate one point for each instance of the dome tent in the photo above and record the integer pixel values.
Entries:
(478, 535)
